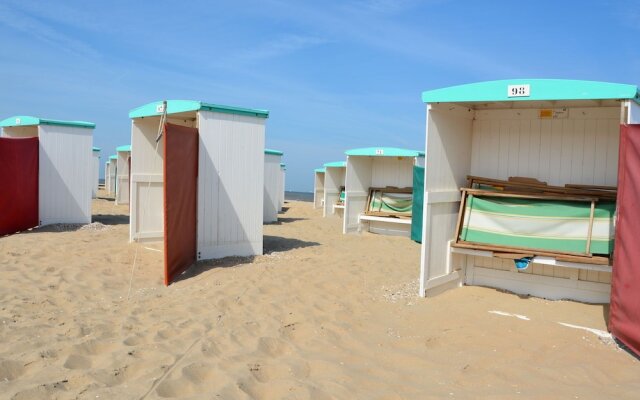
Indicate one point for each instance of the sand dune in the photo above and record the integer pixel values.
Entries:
(319, 316)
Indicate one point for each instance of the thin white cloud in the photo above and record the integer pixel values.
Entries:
(347, 22)
(277, 47)
(25, 24)
(79, 17)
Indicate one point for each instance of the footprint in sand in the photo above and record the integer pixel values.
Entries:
(270, 372)
(175, 388)
(281, 389)
(297, 332)
(10, 370)
(94, 347)
(120, 375)
(76, 361)
(164, 334)
(134, 340)
(199, 372)
(273, 346)
(210, 349)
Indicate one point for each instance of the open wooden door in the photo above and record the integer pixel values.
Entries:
(180, 199)
(624, 314)
(19, 178)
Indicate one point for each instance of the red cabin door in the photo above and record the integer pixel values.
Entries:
(180, 199)
(624, 313)
(19, 184)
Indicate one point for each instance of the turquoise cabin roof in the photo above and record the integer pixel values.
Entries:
(273, 152)
(384, 152)
(26, 120)
(539, 90)
(126, 147)
(180, 106)
(336, 164)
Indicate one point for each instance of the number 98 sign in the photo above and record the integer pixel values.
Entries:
(518, 90)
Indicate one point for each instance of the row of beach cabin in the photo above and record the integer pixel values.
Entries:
(195, 175)
(117, 180)
(526, 185)
(371, 191)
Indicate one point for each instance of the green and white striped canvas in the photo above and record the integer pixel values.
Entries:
(539, 224)
(397, 203)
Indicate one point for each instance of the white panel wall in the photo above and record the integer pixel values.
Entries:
(392, 171)
(96, 173)
(357, 182)
(334, 179)
(107, 176)
(448, 158)
(65, 181)
(581, 149)
(283, 175)
(122, 186)
(633, 113)
(318, 189)
(272, 179)
(113, 179)
(147, 199)
(230, 185)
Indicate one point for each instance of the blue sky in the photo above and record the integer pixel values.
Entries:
(334, 75)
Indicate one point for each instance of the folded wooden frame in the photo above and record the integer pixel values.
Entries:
(391, 214)
(528, 188)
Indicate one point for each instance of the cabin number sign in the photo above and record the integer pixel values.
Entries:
(519, 90)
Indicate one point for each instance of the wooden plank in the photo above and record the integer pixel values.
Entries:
(527, 180)
(592, 187)
(562, 256)
(393, 189)
(540, 196)
(530, 186)
(463, 202)
(512, 256)
(387, 214)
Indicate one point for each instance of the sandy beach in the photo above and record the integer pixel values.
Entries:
(84, 315)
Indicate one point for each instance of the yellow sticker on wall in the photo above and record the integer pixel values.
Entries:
(545, 113)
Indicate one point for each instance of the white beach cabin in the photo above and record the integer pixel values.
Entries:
(215, 154)
(123, 165)
(283, 175)
(334, 177)
(374, 172)
(557, 132)
(65, 152)
(96, 171)
(318, 188)
(272, 178)
(111, 175)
